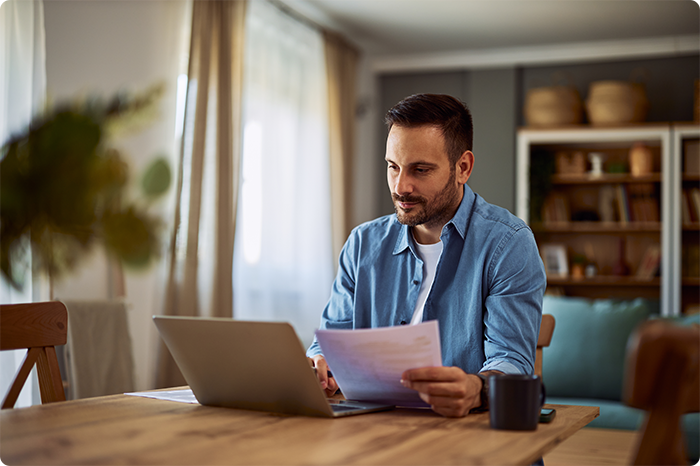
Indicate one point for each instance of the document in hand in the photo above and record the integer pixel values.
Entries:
(368, 363)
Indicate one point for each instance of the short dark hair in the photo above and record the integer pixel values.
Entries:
(440, 110)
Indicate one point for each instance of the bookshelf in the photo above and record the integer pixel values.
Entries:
(686, 233)
(606, 198)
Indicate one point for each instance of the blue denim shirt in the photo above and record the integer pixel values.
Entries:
(487, 293)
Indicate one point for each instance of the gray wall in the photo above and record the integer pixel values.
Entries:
(495, 98)
(492, 100)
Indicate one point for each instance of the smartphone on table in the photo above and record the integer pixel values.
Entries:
(547, 414)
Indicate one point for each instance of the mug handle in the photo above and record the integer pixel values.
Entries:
(543, 393)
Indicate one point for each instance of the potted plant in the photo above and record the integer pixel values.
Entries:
(63, 188)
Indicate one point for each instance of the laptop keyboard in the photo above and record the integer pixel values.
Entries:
(341, 408)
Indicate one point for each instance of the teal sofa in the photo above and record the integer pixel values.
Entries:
(584, 363)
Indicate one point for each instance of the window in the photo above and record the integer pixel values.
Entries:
(283, 264)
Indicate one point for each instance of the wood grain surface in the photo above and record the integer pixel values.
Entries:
(595, 447)
(122, 429)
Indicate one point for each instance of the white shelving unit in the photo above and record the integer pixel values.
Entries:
(666, 139)
(681, 133)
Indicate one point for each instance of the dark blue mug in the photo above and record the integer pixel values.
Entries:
(515, 401)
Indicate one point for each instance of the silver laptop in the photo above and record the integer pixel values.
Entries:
(250, 365)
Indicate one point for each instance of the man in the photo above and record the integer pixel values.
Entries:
(447, 255)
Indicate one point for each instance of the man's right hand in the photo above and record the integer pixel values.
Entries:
(327, 383)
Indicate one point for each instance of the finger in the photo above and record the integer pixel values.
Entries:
(449, 401)
(444, 374)
(446, 389)
(321, 371)
(332, 385)
(449, 407)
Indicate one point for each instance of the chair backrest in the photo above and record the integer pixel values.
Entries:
(662, 377)
(38, 328)
(545, 337)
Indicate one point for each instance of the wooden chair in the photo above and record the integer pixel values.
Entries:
(545, 337)
(38, 328)
(662, 377)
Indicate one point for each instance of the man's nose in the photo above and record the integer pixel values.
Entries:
(403, 184)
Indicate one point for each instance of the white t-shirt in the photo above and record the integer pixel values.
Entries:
(429, 254)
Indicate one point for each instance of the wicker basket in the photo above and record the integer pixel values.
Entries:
(553, 106)
(616, 102)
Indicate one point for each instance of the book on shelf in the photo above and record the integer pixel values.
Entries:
(644, 204)
(556, 209)
(649, 264)
(687, 211)
(685, 208)
(623, 206)
(607, 204)
(694, 204)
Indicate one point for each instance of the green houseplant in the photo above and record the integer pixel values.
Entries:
(64, 188)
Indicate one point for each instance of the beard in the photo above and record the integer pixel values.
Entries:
(437, 211)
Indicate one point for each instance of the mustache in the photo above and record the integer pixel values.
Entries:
(410, 199)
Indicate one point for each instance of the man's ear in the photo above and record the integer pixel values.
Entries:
(465, 166)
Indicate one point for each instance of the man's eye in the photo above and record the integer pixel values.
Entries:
(422, 171)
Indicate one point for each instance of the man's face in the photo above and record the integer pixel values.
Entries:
(421, 178)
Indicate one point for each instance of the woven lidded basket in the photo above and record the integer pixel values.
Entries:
(616, 102)
(553, 106)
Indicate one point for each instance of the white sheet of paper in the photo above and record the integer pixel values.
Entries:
(368, 363)
(182, 395)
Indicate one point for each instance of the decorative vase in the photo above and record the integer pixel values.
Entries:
(640, 159)
(597, 159)
(577, 271)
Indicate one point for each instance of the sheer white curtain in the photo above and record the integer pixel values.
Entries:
(22, 95)
(283, 264)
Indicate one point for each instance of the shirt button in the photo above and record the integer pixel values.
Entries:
(403, 322)
(416, 282)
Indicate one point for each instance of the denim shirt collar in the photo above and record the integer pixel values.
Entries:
(459, 222)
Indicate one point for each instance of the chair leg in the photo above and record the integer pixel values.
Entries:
(24, 370)
(658, 445)
(662, 440)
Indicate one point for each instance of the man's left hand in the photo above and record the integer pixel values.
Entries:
(448, 390)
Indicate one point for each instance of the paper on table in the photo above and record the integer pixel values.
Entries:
(368, 363)
(182, 395)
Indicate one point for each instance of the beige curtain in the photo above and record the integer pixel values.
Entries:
(201, 251)
(341, 66)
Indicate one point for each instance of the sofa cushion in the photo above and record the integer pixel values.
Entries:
(691, 432)
(613, 414)
(586, 356)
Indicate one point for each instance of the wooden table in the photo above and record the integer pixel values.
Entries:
(123, 429)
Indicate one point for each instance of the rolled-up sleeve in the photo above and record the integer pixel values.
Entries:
(338, 313)
(513, 306)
